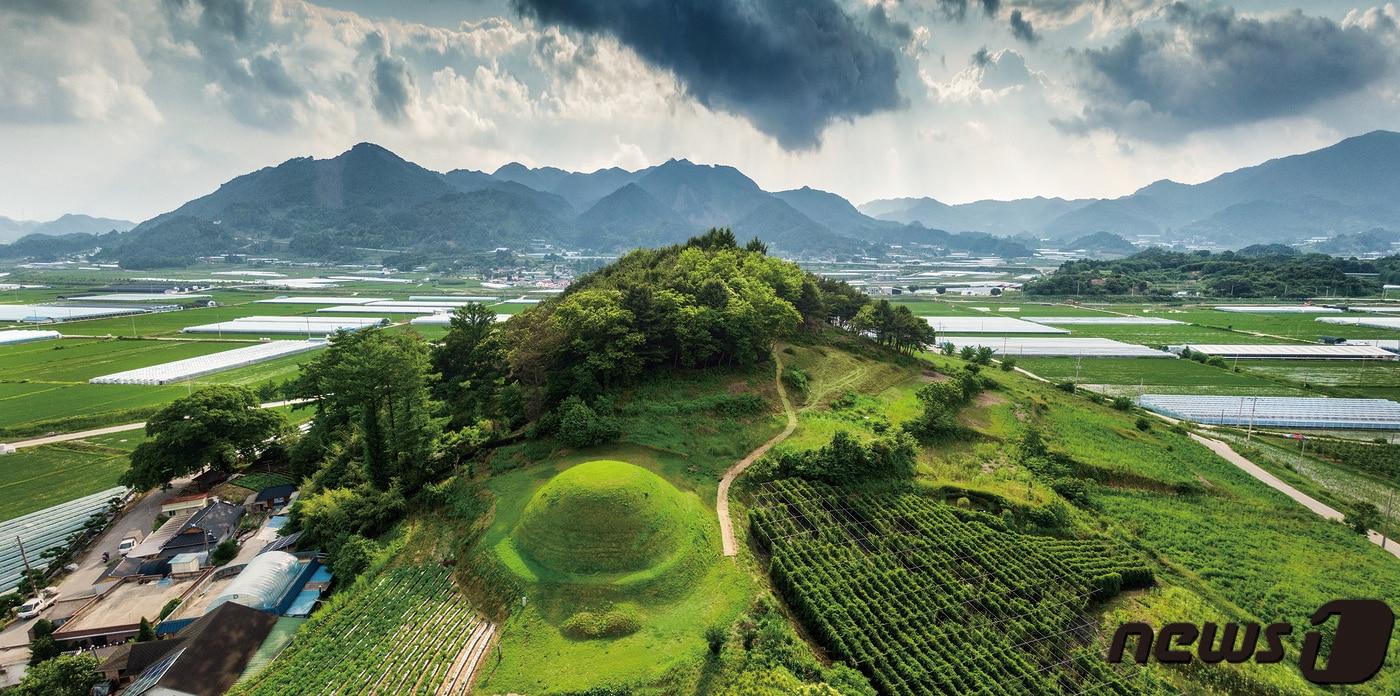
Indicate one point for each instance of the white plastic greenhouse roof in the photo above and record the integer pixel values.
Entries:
(1102, 321)
(326, 300)
(451, 298)
(1388, 309)
(1058, 347)
(385, 309)
(26, 335)
(178, 370)
(444, 319)
(1280, 309)
(32, 312)
(305, 325)
(421, 303)
(988, 324)
(43, 530)
(262, 583)
(152, 297)
(1278, 411)
(1369, 322)
(1295, 350)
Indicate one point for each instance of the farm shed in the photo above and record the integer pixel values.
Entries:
(273, 497)
(206, 657)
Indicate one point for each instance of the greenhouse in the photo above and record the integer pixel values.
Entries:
(155, 297)
(1278, 411)
(1368, 322)
(387, 309)
(180, 370)
(1103, 321)
(1292, 351)
(988, 325)
(445, 319)
(50, 313)
(325, 300)
(263, 583)
(309, 326)
(450, 298)
(46, 529)
(1057, 347)
(25, 336)
(1280, 309)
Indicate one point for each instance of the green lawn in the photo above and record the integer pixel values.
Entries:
(39, 477)
(80, 359)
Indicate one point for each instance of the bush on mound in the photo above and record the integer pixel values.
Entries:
(602, 517)
(622, 620)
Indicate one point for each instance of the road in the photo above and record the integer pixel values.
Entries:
(726, 525)
(1275, 483)
(84, 434)
(140, 515)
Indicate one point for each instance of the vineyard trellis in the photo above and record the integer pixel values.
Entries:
(925, 598)
(409, 631)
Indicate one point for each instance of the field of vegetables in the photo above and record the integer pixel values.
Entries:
(924, 598)
(406, 631)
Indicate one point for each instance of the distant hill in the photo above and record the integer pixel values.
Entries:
(11, 230)
(1347, 188)
(369, 198)
(1102, 243)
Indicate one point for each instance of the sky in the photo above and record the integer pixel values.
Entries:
(128, 108)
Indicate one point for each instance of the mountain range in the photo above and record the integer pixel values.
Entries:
(10, 230)
(369, 198)
(1346, 189)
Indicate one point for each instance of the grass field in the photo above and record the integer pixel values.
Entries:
(672, 608)
(1303, 327)
(81, 359)
(39, 477)
(1156, 375)
(1353, 374)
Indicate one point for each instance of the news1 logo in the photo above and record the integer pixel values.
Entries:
(1357, 652)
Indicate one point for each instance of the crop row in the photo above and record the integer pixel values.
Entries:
(925, 598)
(400, 634)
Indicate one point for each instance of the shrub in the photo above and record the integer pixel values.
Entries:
(1072, 489)
(224, 552)
(796, 378)
(1122, 403)
(581, 426)
(1143, 424)
(1008, 364)
(714, 637)
(353, 556)
(619, 621)
(1066, 386)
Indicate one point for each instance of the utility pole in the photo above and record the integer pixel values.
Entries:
(28, 571)
(1253, 404)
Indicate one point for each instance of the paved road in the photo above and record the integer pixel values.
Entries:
(726, 525)
(1275, 483)
(83, 434)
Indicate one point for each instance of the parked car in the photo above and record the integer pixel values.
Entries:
(36, 605)
(129, 542)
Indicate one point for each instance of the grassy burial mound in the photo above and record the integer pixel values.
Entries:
(603, 517)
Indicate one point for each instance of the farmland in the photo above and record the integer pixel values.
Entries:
(1125, 375)
(35, 478)
(924, 601)
(406, 631)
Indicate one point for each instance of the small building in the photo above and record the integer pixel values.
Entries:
(114, 615)
(206, 657)
(186, 563)
(273, 497)
(204, 530)
(184, 503)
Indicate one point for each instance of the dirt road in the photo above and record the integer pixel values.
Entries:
(1275, 483)
(726, 525)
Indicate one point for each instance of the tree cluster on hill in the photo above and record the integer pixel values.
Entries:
(1259, 273)
(894, 326)
(844, 460)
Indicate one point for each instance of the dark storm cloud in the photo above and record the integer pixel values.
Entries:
(1220, 69)
(880, 20)
(1021, 28)
(392, 87)
(790, 67)
(991, 7)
